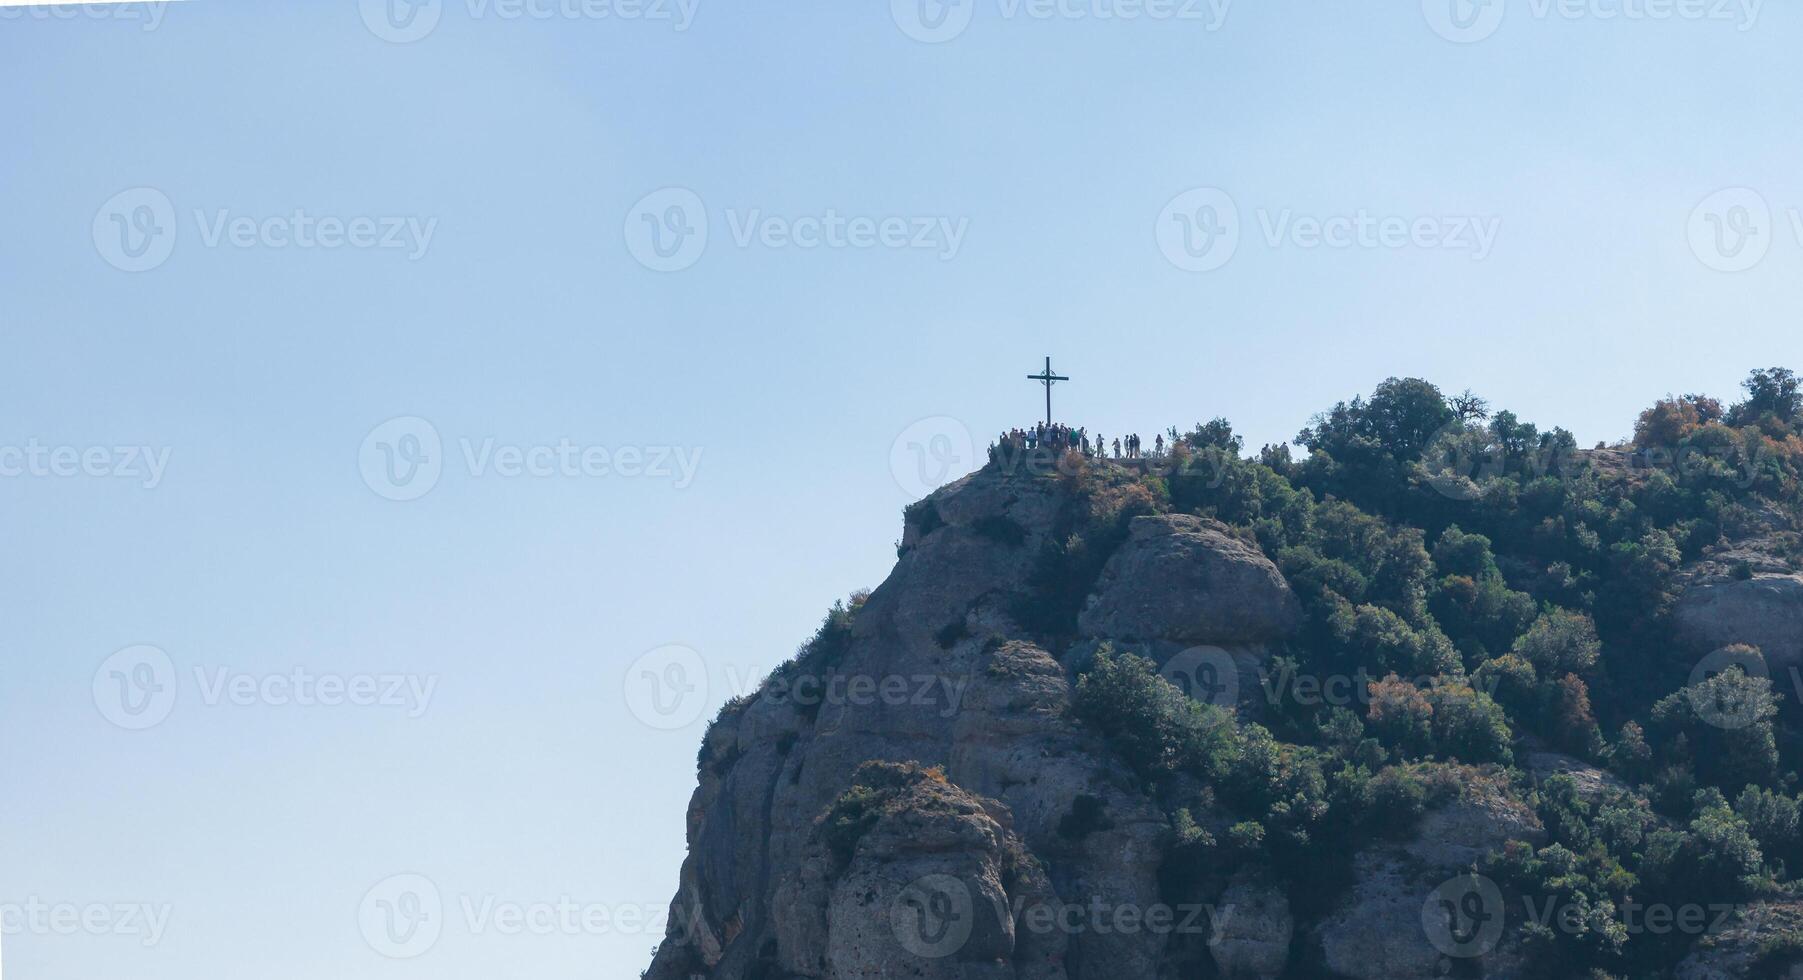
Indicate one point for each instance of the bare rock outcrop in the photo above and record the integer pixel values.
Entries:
(1763, 939)
(1748, 589)
(908, 875)
(1593, 784)
(1189, 580)
(1252, 931)
(1379, 931)
(889, 689)
(1765, 610)
(1073, 804)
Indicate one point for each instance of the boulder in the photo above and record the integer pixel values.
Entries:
(911, 876)
(1188, 580)
(1765, 611)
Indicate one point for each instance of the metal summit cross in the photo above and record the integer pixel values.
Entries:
(1048, 378)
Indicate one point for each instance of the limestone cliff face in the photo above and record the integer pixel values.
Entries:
(1765, 610)
(983, 703)
(1376, 933)
(1747, 590)
(990, 814)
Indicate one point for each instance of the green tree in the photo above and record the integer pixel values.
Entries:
(1776, 392)
(1400, 419)
(1458, 553)
(1467, 725)
(1560, 641)
(1726, 723)
(1154, 726)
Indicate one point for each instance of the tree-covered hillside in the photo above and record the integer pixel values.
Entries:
(1495, 590)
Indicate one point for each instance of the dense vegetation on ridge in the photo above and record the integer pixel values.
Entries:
(1495, 589)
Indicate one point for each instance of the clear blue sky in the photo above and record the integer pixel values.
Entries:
(526, 146)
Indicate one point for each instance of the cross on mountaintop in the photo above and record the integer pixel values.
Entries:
(1048, 378)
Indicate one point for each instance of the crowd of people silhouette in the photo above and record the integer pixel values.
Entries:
(1060, 437)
